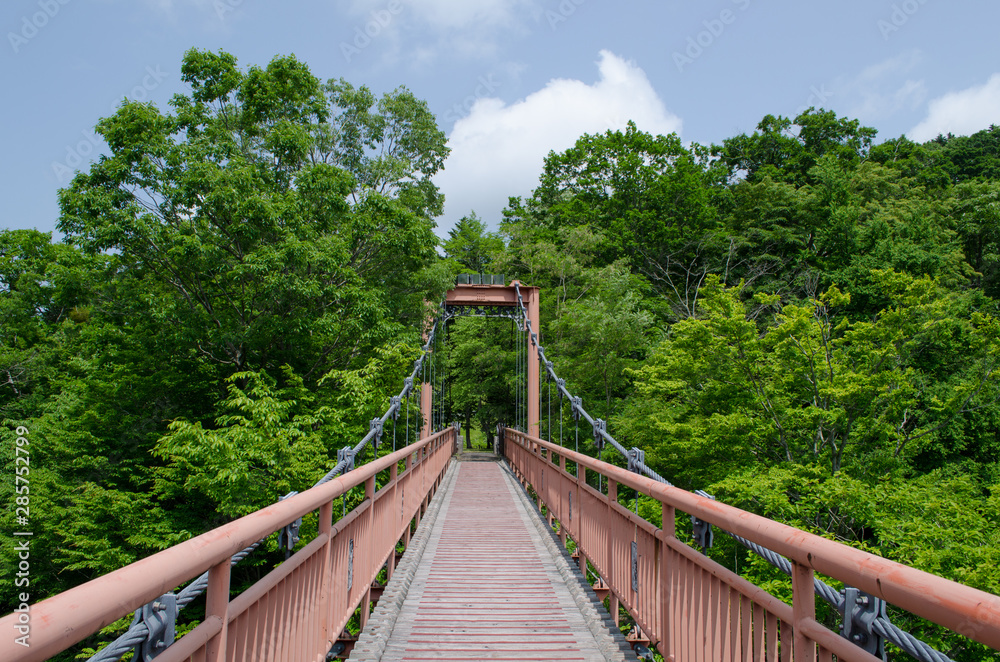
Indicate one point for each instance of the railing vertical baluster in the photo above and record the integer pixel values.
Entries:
(803, 609)
(609, 563)
(563, 524)
(372, 535)
(218, 606)
(666, 583)
(393, 479)
(581, 480)
(325, 527)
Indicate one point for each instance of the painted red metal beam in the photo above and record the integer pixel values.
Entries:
(482, 295)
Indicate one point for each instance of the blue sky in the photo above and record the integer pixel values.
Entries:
(509, 80)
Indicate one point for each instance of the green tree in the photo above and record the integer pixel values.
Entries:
(721, 393)
(221, 279)
(226, 204)
(649, 200)
(481, 373)
(470, 244)
(787, 150)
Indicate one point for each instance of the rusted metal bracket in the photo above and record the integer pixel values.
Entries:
(702, 533)
(160, 617)
(860, 612)
(350, 565)
(288, 537)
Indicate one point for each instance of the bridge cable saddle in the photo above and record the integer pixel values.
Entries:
(346, 454)
(560, 385)
(576, 402)
(376, 427)
(636, 460)
(160, 617)
(860, 611)
(600, 429)
(395, 404)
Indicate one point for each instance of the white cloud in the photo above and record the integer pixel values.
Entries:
(498, 149)
(457, 27)
(963, 113)
(882, 89)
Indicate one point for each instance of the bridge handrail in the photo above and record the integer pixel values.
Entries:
(138, 632)
(962, 609)
(69, 617)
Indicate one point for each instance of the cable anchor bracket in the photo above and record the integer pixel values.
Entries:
(160, 617)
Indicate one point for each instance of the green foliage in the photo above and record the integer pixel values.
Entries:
(481, 373)
(470, 245)
(264, 444)
(785, 149)
(811, 387)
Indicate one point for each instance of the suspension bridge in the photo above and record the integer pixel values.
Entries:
(528, 552)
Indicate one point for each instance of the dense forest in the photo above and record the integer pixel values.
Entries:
(802, 321)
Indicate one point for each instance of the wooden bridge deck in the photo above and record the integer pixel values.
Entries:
(491, 582)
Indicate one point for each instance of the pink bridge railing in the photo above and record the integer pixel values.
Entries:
(692, 608)
(297, 611)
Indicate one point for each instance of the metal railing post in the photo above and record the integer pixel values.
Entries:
(803, 610)
(665, 583)
(562, 524)
(326, 591)
(218, 607)
(394, 480)
(610, 570)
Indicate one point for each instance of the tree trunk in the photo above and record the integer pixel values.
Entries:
(468, 429)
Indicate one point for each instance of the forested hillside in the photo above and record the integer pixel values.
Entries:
(802, 321)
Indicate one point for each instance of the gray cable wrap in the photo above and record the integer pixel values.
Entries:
(882, 626)
(138, 633)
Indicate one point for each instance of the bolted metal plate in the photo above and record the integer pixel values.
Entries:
(635, 567)
(350, 564)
